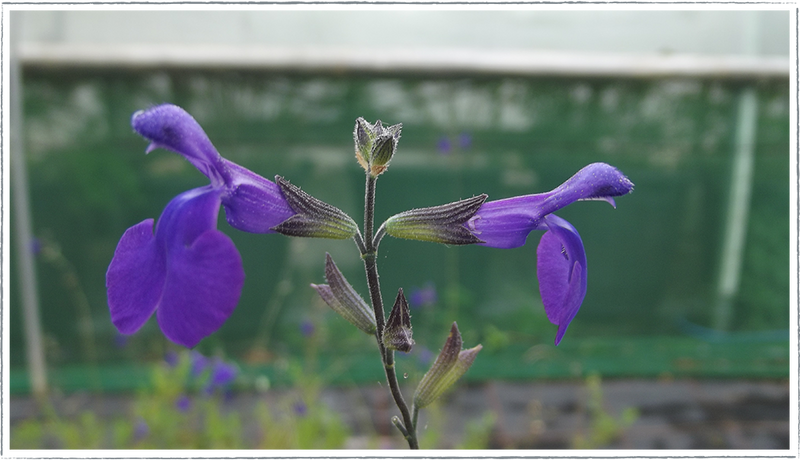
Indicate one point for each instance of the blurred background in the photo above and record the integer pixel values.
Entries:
(682, 340)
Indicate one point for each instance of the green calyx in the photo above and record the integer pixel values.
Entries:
(313, 218)
(438, 224)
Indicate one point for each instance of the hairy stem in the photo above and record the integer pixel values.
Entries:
(368, 247)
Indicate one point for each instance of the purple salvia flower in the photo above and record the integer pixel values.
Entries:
(561, 259)
(188, 272)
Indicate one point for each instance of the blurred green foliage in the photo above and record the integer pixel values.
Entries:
(603, 428)
(180, 410)
(653, 261)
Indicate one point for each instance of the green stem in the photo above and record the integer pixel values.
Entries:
(369, 255)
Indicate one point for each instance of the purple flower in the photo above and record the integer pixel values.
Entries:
(140, 430)
(425, 356)
(464, 140)
(188, 272)
(423, 297)
(36, 246)
(199, 363)
(561, 259)
(183, 404)
(300, 408)
(171, 358)
(444, 145)
(307, 328)
(222, 373)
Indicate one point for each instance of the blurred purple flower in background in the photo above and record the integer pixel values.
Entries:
(423, 297)
(199, 363)
(464, 140)
(222, 373)
(300, 408)
(444, 146)
(140, 429)
(120, 340)
(561, 259)
(425, 356)
(189, 272)
(172, 358)
(183, 403)
(36, 246)
(307, 328)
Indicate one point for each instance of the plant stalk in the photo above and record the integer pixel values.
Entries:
(369, 255)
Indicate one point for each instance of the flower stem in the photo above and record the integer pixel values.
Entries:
(369, 255)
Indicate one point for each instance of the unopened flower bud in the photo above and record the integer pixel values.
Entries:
(437, 224)
(375, 145)
(397, 332)
(344, 300)
(313, 218)
(450, 365)
(382, 152)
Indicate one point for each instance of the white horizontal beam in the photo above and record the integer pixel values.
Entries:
(484, 61)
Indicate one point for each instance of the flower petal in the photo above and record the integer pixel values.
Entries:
(135, 278)
(507, 223)
(169, 126)
(597, 181)
(204, 275)
(253, 203)
(561, 270)
(187, 216)
(202, 288)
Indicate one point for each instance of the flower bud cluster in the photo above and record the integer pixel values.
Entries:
(375, 145)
